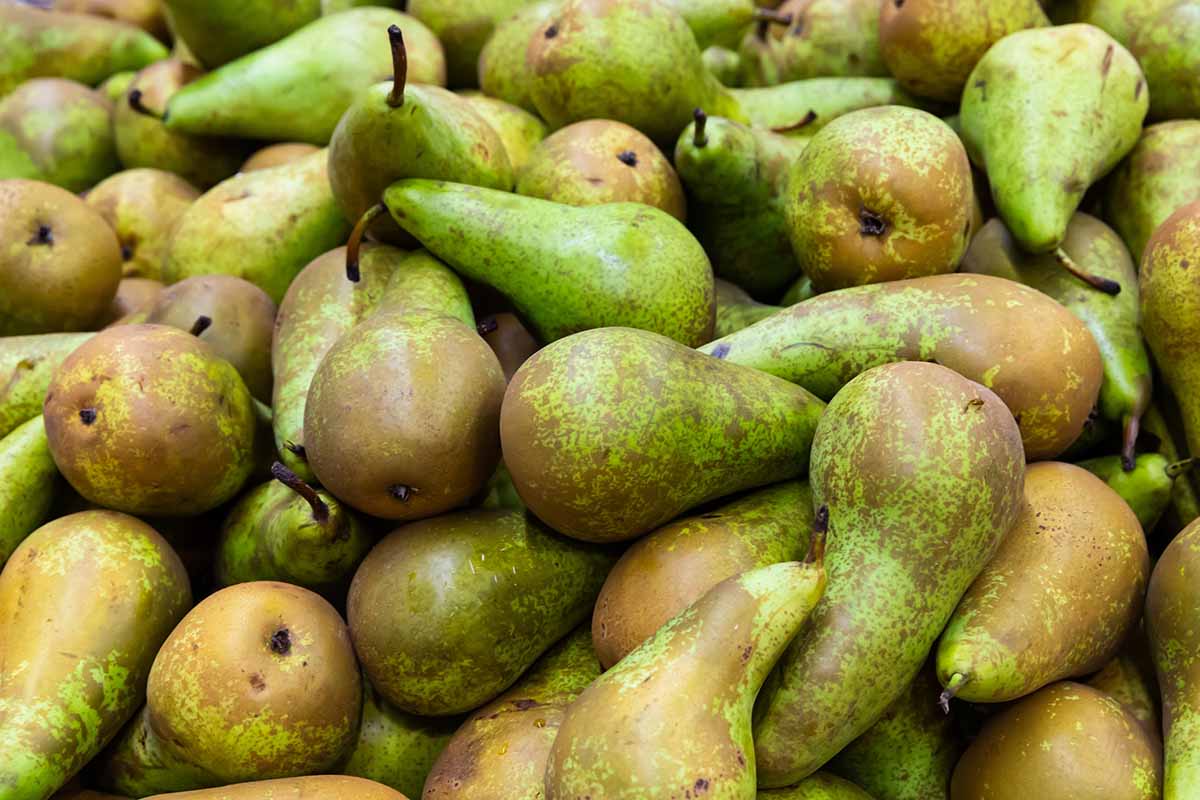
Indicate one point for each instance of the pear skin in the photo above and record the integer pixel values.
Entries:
(1120, 19)
(803, 107)
(312, 787)
(737, 310)
(1147, 488)
(818, 786)
(219, 31)
(519, 130)
(273, 155)
(463, 28)
(1168, 48)
(28, 480)
(133, 295)
(503, 70)
(1129, 679)
(27, 364)
(142, 206)
(1185, 504)
(837, 38)
(510, 340)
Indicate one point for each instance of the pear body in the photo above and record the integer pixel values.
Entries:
(502, 67)
(818, 786)
(218, 31)
(1120, 19)
(736, 309)
(519, 130)
(1168, 48)
(142, 206)
(812, 103)
(1147, 488)
(27, 363)
(274, 155)
(28, 479)
(824, 38)
(464, 28)
(1129, 679)
(310, 787)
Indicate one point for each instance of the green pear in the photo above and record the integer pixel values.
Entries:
(1168, 48)
(28, 479)
(736, 309)
(117, 86)
(218, 31)
(57, 131)
(503, 69)
(566, 268)
(1147, 488)
(722, 22)
(824, 38)
(642, 730)
(1113, 321)
(519, 130)
(1047, 112)
(298, 88)
(516, 730)
(568, 468)
(526, 587)
(818, 786)
(274, 155)
(1129, 679)
(798, 292)
(27, 363)
(85, 602)
(142, 206)
(803, 107)
(893, 438)
(262, 226)
(145, 14)
(1185, 500)
(633, 61)
(736, 179)
(1120, 19)
(463, 27)
(500, 493)
(724, 64)
(36, 43)
(976, 325)
(1158, 176)
(309, 787)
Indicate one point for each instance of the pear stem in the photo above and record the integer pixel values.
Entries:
(771, 16)
(487, 325)
(953, 687)
(395, 98)
(355, 244)
(320, 510)
(803, 122)
(820, 530)
(1133, 425)
(135, 102)
(1179, 467)
(699, 139)
(201, 324)
(1103, 284)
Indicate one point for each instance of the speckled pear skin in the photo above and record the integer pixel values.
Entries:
(85, 603)
(633, 61)
(311, 787)
(1168, 48)
(519, 130)
(525, 588)
(1119, 18)
(640, 730)
(80, 47)
(1160, 175)
(395, 748)
(825, 38)
(881, 194)
(786, 104)
(736, 181)
(1069, 736)
(1049, 382)
(1172, 605)
(818, 786)
(666, 571)
(262, 226)
(298, 88)
(142, 206)
(1046, 112)
(1059, 597)
(258, 681)
(1146, 488)
(600, 415)
(147, 419)
(27, 363)
(503, 70)
(716, 22)
(1113, 321)
(566, 268)
(218, 31)
(931, 46)
(464, 28)
(1170, 287)
(942, 458)
(1184, 506)
(28, 480)
(724, 63)
(1129, 679)
(736, 309)
(500, 752)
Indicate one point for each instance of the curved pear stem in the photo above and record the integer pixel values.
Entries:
(1133, 426)
(820, 531)
(772, 17)
(699, 138)
(395, 98)
(297, 450)
(135, 102)
(803, 122)
(201, 324)
(320, 510)
(1179, 468)
(953, 687)
(1103, 284)
(487, 325)
(355, 244)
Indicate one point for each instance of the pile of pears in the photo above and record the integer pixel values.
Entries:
(600, 399)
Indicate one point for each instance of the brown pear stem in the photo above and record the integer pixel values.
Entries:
(135, 102)
(201, 324)
(355, 244)
(487, 325)
(699, 139)
(803, 122)
(1133, 425)
(395, 98)
(1179, 468)
(1103, 284)
(820, 531)
(320, 511)
(953, 687)
(297, 450)
(772, 17)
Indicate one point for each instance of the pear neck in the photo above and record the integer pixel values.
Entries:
(395, 98)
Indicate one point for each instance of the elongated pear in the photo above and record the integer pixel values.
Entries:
(976, 325)
(639, 731)
(28, 479)
(218, 31)
(566, 268)
(568, 468)
(85, 602)
(910, 432)
(27, 363)
(1046, 113)
(803, 107)
(736, 309)
(1147, 488)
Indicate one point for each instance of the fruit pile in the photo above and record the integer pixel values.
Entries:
(697, 400)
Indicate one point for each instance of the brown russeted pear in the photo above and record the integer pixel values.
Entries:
(133, 294)
(503, 70)
(519, 130)
(1168, 48)
(273, 155)
(27, 363)
(219, 31)
(736, 309)
(310, 787)
(824, 38)
(1129, 679)
(142, 206)
(568, 468)
(510, 340)
(28, 480)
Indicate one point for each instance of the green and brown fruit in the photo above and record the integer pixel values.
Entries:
(503, 70)
(519, 130)
(312, 787)
(274, 155)
(1168, 48)
(133, 295)
(219, 31)
(27, 364)
(464, 28)
(143, 206)
(1147, 488)
(824, 38)
(28, 484)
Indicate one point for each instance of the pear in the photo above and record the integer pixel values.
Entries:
(60, 263)
(257, 681)
(142, 206)
(147, 419)
(298, 88)
(666, 571)
(274, 155)
(144, 141)
(1158, 176)
(519, 130)
(1095, 249)
(27, 363)
(976, 325)
(931, 46)
(798, 292)
(464, 28)
(568, 469)
(724, 64)
(818, 786)
(503, 71)
(116, 87)
(262, 226)
(57, 131)
(1184, 504)
(736, 178)
(566, 268)
(525, 586)
(1168, 48)
(1147, 488)
(911, 432)
(866, 204)
(133, 295)
(640, 731)
(145, 14)
(1120, 19)
(736, 309)
(601, 161)
(1129, 679)
(1049, 606)
(79, 47)
(1047, 112)
(803, 107)
(311, 787)
(633, 61)
(28, 480)
(516, 730)
(218, 31)
(722, 22)
(824, 38)
(1067, 742)
(510, 340)
(85, 602)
